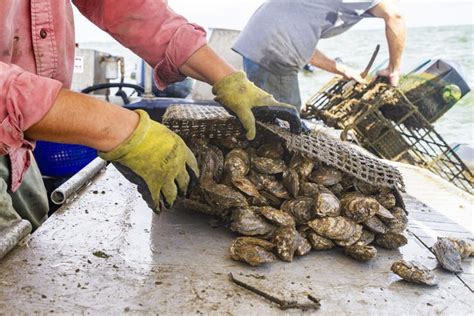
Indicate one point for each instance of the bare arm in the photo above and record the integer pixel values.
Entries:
(80, 119)
(395, 31)
(328, 64)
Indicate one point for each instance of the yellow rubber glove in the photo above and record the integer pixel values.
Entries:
(154, 158)
(239, 95)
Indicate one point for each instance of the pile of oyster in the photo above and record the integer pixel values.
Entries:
(285, 204)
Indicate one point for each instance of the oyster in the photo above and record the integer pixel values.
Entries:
(286, 242)
(337, 189)
(376, 225)
(231, 142)
(211, 163)
(327, 204)
(351, 241)
(273, 150)
(251, 250)
(386, 199)
(267, 165)
(247, 222)
(271, 199)
(300, 208)
(365, 188)
(302, 165)
(338, 228)
(222, 196)
(237, 163)
(391, 241)
(275, 216)
(309, 189)
(366, 239)
(400, 221)
(276, 188)
(414, 272)
(198, 206)
(358, 207)
(257, 179)
(303, 246)
(361, 253)
(317, 242)
(245, 186)
(291, 181)
(464, 246)
(384, 214)
(326, 176)
(448, 254)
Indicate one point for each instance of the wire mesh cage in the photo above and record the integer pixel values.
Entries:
(389, 124)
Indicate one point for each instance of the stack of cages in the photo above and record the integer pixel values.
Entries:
(396, 123)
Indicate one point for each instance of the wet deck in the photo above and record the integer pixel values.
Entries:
(177, 263)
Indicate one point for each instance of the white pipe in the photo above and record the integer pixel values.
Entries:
(77, 181)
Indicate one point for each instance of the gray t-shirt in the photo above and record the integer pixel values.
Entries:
(282, 34)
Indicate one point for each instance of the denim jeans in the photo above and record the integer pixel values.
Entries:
(284, 87)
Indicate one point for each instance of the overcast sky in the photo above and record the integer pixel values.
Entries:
(234, 14)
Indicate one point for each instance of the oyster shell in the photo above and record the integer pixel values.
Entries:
(317, 242)
(231, 142)
(336, 228)
(286, 242)
(302, 165)
(327, 204)
(247, 222)
(336, 189)
(291, 181)
(198, 206)
(251, 250)
(448, 255)
(273, 150)
(464, 246)
(211, 163)
(351, 241)
(384, 214)
(400, 221)
(309, 189)
(358, 207)
(303, 247)
(267, 165)
(275, 216)
(365, 188)
(276, 188)
(361, 253)
(375, 225)
(414, 272)
(391, 241)
(300, 208)
(366, 239)
(386, 199)
(237, 163)
(271, 199)
(326, 176)
(245, 186)
(222, 196)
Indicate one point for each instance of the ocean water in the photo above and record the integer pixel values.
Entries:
(454, 43)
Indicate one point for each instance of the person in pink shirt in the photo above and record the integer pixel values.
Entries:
(36, 61)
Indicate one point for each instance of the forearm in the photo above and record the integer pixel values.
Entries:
(323, 62)
(395, 31)
(80, 119)
(205, 65)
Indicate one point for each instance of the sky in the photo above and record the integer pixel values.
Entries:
(233, 14)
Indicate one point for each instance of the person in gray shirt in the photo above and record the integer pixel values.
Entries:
(282, 35)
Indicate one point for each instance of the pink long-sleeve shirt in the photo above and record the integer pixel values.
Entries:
(37, 53)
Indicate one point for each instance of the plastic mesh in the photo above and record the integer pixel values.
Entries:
(216, 122)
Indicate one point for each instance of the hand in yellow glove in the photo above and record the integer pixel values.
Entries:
(154, 158)
(239, 95)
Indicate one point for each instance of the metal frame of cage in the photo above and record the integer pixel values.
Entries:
(341, 104)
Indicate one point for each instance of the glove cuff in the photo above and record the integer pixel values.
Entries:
(132, 141)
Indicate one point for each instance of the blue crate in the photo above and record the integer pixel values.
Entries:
(61, 160)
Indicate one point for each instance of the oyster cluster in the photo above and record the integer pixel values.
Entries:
(285, 204)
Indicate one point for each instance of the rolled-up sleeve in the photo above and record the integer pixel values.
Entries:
(151, 29)
(25, 98)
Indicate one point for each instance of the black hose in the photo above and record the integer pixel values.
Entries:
(101, 86)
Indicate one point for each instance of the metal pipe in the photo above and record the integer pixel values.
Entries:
(77, 181)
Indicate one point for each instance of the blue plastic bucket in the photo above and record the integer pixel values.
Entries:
(61, 160)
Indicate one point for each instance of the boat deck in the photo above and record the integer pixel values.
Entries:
(177, 263)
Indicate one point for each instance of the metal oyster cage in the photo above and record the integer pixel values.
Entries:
(390, 125)
(204, 121)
